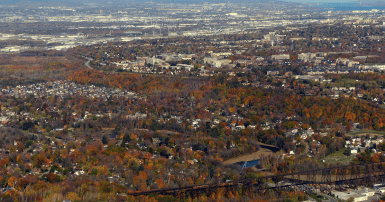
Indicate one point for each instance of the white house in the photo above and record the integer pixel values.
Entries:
(239, 127)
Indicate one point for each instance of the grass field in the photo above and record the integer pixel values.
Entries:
(318, 198)
(365, 132)
(338, 157)
(249, 157)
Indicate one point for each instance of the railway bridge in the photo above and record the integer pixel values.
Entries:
(324, 179)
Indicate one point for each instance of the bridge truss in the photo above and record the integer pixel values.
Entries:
(323, 179)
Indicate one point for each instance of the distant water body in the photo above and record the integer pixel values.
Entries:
(347, 7)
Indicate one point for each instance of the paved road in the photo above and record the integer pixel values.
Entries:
(87, 64)
(331, 199)
(310, 199)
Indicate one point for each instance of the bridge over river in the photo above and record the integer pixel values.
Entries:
(326, 178)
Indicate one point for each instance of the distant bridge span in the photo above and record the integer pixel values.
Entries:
(352, 175)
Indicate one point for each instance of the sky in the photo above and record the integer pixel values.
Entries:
(334, 1)
(323, 1)
(299, 1)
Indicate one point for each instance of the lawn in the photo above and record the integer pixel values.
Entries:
(318, 198)
(364, 132)
(338, 157)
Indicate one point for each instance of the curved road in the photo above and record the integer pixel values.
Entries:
(87, 64)
(331, 199)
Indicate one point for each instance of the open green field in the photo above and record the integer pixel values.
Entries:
(345, 82)
(365, 132)
(318, 197)
(338, 157)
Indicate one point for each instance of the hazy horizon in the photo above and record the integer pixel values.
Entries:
(338, 1)
(371, 2)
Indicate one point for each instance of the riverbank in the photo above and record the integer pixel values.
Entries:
(250, 157)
